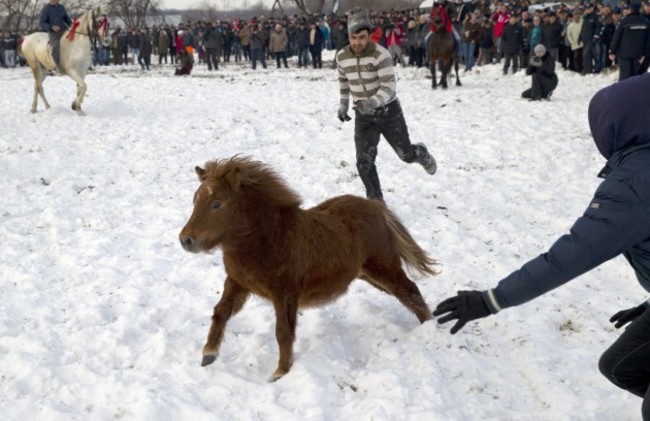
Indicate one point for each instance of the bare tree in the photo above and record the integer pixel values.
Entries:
(16, 13)
(132, 12)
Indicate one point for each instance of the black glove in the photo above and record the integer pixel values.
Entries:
(343, 111)
(624, 316)
(535, 62)
(466, 306)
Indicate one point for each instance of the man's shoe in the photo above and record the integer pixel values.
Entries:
(426, 159)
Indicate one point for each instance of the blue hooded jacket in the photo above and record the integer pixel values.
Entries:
(617, 221)
(54, 15)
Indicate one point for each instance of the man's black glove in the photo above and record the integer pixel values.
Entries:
(466, 306)
(343, 111)
(625, 316)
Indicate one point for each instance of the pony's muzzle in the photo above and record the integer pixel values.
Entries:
(188, 243)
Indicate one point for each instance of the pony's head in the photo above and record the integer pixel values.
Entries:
(437, 19)
(236, 195)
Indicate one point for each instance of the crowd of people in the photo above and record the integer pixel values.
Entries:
(580, 38)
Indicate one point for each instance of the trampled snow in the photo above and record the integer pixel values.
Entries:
(103, 315)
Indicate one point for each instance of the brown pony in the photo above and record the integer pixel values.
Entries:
(442, 51)
(291, 256)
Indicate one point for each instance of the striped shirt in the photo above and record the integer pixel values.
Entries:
(370, 76)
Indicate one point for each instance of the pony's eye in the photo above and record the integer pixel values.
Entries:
(215, 205)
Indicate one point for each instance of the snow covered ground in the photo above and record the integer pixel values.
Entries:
(103, 315)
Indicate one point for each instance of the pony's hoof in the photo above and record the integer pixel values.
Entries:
(278, 375)
(458, 84)
(74, 107)
(207, 360)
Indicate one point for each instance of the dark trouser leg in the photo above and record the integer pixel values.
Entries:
(587, 58)
(55, 42)
(366, 139)
(626, 363)
(393, 127)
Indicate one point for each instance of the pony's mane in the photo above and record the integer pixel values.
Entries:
(245, 172)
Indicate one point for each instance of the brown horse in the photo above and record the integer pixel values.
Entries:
(293, 257)
(442, 51)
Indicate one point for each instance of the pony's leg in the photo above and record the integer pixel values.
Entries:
(286, 314)
(233, 299)
(81, 91)
(432, 66)
(393, 279)
(446, 66)
(456, 68)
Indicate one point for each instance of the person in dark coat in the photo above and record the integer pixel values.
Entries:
(513, 40)
(616, 222)
(144, 55)
(55, 21)
(552, 36)
(213, 43)
(589, 36)
(631, 43)
(316, 44)
(542, 68)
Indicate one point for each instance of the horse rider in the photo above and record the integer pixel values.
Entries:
(55, 20)
(365, 72)
(444, 10)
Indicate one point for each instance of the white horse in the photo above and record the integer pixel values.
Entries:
(75, 54)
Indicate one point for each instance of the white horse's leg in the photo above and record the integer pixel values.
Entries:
(42, 75)
(81, 91)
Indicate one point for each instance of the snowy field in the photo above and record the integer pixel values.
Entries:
(103, 315)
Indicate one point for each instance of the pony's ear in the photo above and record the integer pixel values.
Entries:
(234, 178)
(200, 172)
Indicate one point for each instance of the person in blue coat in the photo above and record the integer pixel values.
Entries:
(55, 20)
(616, 222)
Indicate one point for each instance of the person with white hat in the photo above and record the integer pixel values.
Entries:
(542, 69)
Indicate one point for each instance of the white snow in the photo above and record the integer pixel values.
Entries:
(103, 315)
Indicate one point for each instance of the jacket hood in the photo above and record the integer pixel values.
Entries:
(618, 115)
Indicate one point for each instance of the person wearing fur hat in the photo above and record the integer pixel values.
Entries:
(542, 68)
(630, 44)
(366, 76)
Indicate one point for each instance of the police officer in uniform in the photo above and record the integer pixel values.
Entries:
(631, 43)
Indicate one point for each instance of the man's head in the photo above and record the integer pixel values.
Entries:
(358, 29)
(54, 2)
(539, 50)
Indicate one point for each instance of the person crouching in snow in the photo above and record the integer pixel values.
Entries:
(542, 68)
(186, 60)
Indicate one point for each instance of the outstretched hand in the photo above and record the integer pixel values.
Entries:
(623, 317)
(464, 307)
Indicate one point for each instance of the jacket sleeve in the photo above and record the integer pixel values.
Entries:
(45, 23)
(548, 66)
(616, 39)
(66, 18)
(614, 221)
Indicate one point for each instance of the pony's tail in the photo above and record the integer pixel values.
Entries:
(410, 252)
